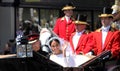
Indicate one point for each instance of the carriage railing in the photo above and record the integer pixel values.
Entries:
(101, 58)
(52, 66)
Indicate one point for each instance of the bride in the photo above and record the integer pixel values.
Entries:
(62, 54)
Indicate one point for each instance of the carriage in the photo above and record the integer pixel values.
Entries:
(97, 63)
(40, 63)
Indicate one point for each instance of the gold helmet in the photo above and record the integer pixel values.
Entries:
(116, 7)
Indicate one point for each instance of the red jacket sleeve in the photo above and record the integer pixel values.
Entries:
(56, 27)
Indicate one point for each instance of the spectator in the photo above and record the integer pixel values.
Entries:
(7, 49)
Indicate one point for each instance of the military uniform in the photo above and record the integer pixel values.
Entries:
(111, 41)
(82, 43)
(116, 13)
(64, 29)
(81, 37)
(64, 26)
(33, 39)
(106, 38)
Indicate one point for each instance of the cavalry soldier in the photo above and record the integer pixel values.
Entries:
(116, 14)
(116, 18)
(64, 26)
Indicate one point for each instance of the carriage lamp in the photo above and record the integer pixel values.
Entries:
(24, 49)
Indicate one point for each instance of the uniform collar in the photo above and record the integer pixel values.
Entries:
(105, 28)
(79, 33)
(63, 18)
(67, 17)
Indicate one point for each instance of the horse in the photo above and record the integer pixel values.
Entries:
(45, 35)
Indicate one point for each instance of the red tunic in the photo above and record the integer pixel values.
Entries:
(82, 43)
(111, 42)
(64, 29)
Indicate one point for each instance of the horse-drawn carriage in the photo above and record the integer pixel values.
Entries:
(40, 63)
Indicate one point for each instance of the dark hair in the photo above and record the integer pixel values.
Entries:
(56, 40)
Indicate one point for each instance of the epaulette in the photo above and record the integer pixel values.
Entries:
(72, 18)
(63, 18)
(114, 25)
(113, 29)
(98, 30)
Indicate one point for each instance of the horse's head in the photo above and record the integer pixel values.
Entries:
(45, 35)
